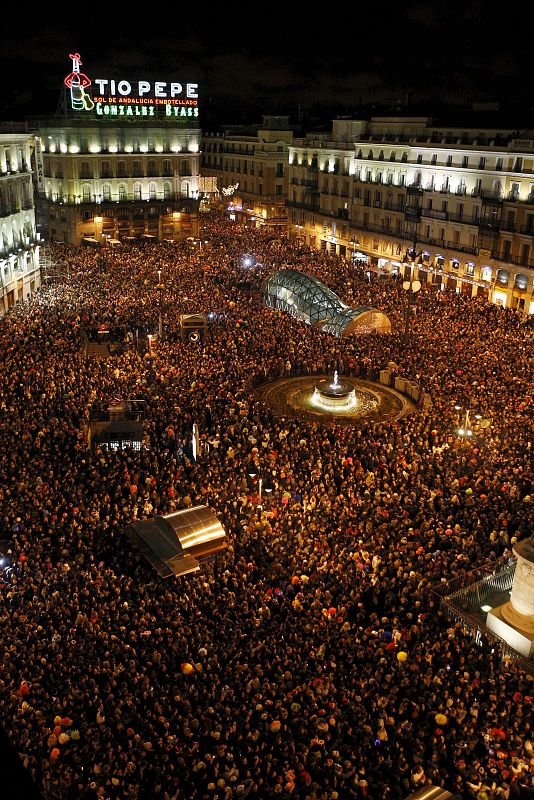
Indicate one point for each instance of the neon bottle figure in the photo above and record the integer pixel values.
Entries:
(77, 82)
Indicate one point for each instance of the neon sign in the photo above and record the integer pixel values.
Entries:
(142, 88)
(77, 82)
(130, 98)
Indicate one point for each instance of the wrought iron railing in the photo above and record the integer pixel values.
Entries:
(462, 599)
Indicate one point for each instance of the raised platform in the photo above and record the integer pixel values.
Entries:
(497, 621)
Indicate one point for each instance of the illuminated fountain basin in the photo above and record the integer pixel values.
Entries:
(299, 397)
(334, 395)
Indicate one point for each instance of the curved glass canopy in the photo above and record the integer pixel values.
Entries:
(309, 300)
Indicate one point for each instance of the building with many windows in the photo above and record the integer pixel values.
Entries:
(250, 167)
(19, 242)
(104, 179)
(454, 207)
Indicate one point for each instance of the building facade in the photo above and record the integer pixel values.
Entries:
(106, 180)
(19, 242)
(250, 169)
(453, 207)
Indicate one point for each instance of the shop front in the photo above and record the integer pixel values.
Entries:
(466, 288)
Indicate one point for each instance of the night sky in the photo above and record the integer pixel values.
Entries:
(298, 62)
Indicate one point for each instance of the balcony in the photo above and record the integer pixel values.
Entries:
(434, 214)
(487, 196)
(7, 210)
(114, 198)
(412, 212)
(508, 258)
(313, 205)
(408, 236)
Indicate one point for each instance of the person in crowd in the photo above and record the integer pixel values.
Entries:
(316, 661)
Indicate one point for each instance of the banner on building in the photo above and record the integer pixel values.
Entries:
(39, 169)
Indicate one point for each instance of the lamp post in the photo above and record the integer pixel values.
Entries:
(469, 422)
(354, 242)
(412, 287)
(464, 430)
(255, 471)
(159, 287)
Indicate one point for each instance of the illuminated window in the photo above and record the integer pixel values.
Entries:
(514, 191)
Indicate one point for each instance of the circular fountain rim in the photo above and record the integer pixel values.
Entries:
(278, 395)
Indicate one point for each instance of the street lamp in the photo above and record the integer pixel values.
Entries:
(159, 287)
(471, 422)
(412, 287)
(254, 471)
(465, 430)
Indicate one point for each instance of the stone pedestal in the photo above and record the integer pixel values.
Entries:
(334, 395)
(514, 621)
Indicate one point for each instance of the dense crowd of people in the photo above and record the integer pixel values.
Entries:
(314, 660)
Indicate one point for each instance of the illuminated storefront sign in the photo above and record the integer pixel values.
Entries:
(123, 98)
